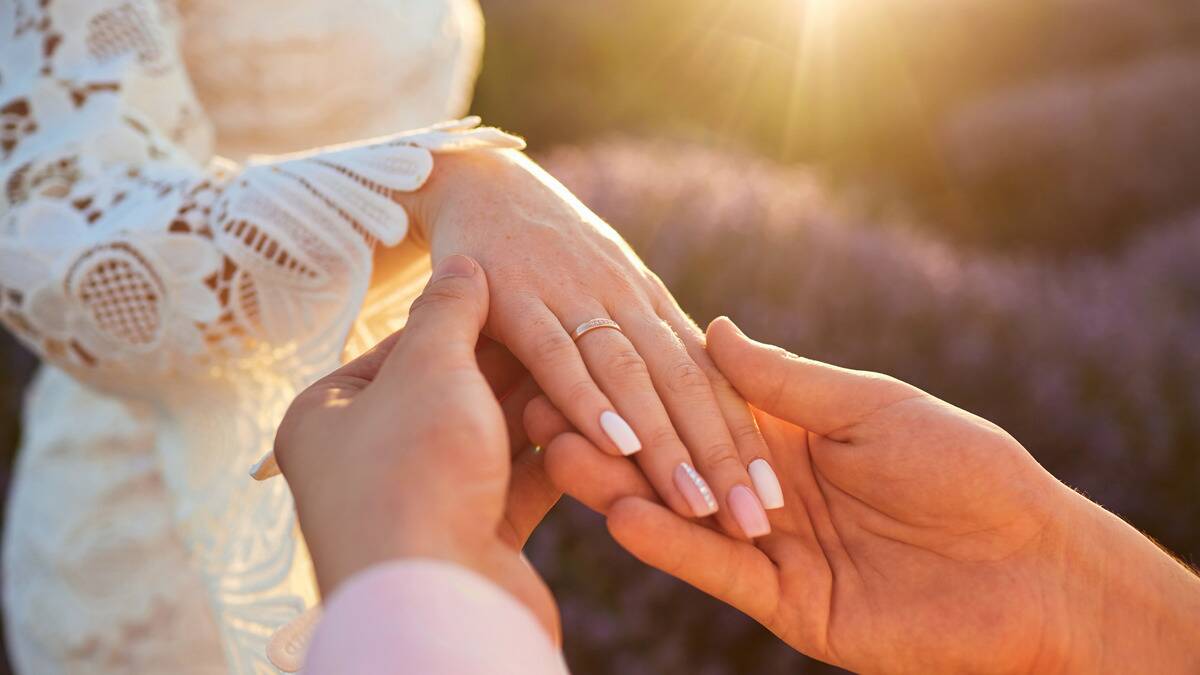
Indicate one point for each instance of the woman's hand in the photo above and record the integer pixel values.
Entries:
(917, 537)
(406, 451)
(648, 387)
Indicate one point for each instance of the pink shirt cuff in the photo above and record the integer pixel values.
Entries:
(428, 617)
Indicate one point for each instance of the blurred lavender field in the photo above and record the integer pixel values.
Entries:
(1093, 363)
(998, 201)
(994, 200)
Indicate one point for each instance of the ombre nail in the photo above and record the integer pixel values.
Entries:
(695, 490)
(620, 433)
(766, 484)
(748, 512)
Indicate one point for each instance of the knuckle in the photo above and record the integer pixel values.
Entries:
(552, 346)
(470, 428)
(581, 390)
(627, 364)
(745, 434)
(722, 388)
(687, 379)
(720, 458)
(662, 437)
(533, 319)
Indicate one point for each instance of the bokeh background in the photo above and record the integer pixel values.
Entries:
(997, 200)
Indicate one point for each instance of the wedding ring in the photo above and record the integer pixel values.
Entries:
(591, 325)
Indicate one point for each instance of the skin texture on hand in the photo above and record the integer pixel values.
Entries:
(406, 452)
(916, 537)
(648, 388)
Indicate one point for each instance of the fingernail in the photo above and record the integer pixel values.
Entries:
(453, 266)
(748, 512)
(265, 468)
(766, 484)
(695, 490)
(620, 433)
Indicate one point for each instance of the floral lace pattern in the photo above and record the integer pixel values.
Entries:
(207, 292)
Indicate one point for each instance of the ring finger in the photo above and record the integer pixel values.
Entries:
(622, 375)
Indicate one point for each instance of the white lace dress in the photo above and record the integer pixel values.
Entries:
(181, 301)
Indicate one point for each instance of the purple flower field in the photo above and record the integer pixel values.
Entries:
(995, 200)
(1093, 363)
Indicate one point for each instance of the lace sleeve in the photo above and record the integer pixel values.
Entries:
(122, 258)
(133, 262)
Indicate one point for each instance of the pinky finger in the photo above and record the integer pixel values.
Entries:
(730, 570)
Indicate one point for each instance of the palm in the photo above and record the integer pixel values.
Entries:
(907, 541)
(905, 519)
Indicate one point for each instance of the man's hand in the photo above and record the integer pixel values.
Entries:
(406, 451)
(916, 537)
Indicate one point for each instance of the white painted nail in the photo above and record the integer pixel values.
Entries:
(265, 467)
(620, 433)
(766, 484)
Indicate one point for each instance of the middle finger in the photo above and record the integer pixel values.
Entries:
(688, 396)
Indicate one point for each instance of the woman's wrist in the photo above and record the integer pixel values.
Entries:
(455, 177)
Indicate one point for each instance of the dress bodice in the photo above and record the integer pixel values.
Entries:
(206, 293)
(279, 76)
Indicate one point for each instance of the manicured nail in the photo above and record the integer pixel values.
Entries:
(695, 490)
(620, 433)
(766, 484)
(265, 467)
(453, 266)
(748, 512)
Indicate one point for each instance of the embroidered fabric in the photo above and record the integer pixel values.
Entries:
(182, 301)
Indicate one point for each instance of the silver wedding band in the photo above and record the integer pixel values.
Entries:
(591, 325)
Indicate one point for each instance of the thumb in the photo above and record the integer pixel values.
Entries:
(442, 331)
(815, 395)
(444, 322)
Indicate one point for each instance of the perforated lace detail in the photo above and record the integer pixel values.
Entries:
(210, 292)
(121, 291)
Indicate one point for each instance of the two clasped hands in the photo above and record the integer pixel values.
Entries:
(910, 535)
